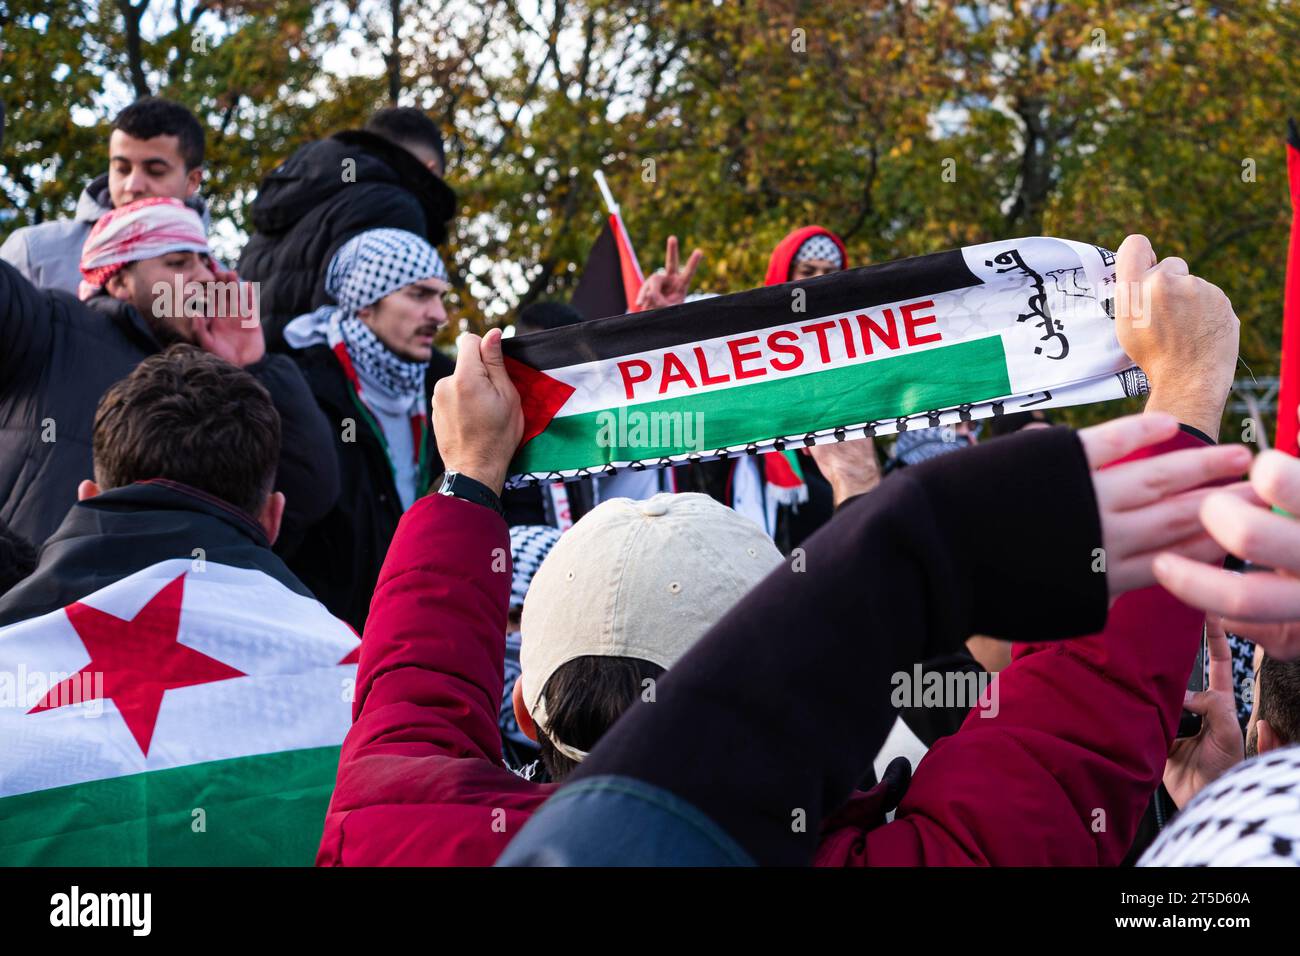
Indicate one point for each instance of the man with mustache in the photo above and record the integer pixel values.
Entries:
(366, 360)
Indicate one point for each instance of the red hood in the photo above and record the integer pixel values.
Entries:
(778, 267)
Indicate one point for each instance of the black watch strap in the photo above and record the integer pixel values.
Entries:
(456, 485)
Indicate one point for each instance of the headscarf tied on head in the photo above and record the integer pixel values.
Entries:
(140, 230)
(366, 268)
(809, 242)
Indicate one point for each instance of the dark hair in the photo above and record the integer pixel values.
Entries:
(1279, 704)
(17, 558)
(407, 127)
(149, 116)
(188, 416)
(583, 699)
(542, 316)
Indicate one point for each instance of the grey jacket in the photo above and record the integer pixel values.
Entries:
(48, 255)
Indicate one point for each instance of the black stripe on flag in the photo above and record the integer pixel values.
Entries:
(600, 290)
(741, 312)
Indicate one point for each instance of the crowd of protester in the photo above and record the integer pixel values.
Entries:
(694, 665)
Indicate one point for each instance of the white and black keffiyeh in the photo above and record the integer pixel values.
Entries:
(1248, 817)
(375, 263)
(366, 268)
(529, 546)
(1243, 675)
(377, 364)
(819, 247)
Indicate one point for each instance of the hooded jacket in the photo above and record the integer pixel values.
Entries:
(48, 255)
(778, 267)
(1081, 724)
(59, 355)
(319, 198)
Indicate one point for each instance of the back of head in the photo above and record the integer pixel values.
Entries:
(150, 116)
(187, 416)
(544, 316)
(620, 598)
(1279, 697)
(413, 131)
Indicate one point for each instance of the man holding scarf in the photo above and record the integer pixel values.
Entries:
(59, 354)
(367, 360)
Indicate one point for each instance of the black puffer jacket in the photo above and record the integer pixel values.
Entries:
(306, 208)
(340, 556)
(57, 358)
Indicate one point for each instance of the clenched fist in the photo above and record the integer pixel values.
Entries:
(477, 418)
(1180, 330)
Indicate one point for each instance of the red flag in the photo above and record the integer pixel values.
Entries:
(1289, 395)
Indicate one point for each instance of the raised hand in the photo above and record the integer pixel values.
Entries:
(477, 418)
(231, 325)
(1180, 330)
(668, 286)
(1197, 761)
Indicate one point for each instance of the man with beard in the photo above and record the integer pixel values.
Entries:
(367, 361)
(58, 355)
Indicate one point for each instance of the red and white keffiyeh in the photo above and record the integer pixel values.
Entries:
(139, 230)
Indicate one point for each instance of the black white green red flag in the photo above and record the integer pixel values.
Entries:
(960, 335)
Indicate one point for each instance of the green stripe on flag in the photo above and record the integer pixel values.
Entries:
(266, 810)
(794, 405)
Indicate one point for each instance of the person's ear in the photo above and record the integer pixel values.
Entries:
(1266, 738)
(193, 179)
(271, 515)
(119, 286)
(522, 717)
(87, 489)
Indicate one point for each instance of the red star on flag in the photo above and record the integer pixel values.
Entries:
(140, 660)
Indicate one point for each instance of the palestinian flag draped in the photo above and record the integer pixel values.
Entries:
(972, 333)
(611, 277)
(169, 693)
(1289, 392)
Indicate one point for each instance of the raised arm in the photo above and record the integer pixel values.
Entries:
(26, 326)
(767, 724)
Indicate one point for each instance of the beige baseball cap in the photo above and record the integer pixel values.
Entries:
(639, 579)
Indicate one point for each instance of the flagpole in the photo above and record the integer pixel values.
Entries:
(612, 207)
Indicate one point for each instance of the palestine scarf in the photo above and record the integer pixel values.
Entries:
(973, 333)
(782, 473)
(366, 268)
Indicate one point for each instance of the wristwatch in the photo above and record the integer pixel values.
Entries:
(456, 485)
